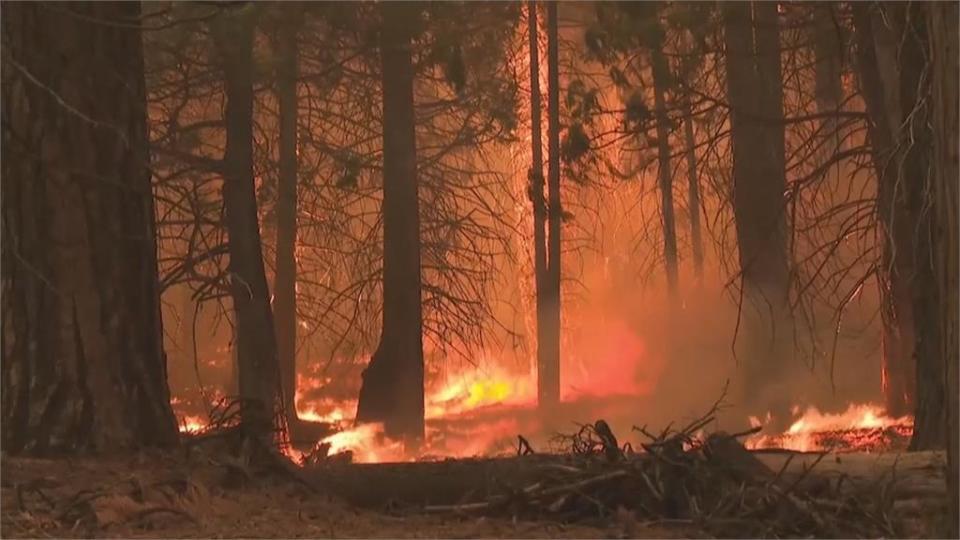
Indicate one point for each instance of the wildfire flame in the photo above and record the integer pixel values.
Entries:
(857, 428)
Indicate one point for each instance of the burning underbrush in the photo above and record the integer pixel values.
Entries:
(860, 428)
(481, 413)
(516, 465)
(680, 477)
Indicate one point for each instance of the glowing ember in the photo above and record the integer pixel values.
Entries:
(191, 424)
(863, 427)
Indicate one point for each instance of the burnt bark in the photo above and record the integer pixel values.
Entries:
(661, 77)
(284, 285)
(392, 389)
(83, 367)
(536, 193)
(255, 343)
(754, 89)
(548, 374)
(877, 85)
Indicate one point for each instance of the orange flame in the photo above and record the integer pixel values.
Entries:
(809, 433)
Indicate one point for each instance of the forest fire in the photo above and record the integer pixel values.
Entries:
(524, 261)
(480, 411)
(860, 428)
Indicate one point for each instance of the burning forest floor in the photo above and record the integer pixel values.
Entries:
(675, 483)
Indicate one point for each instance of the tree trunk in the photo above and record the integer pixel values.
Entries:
(284, 287)
(661, 76)
(914, 162)
(255, 339)
(536, 196)
(945, 74)
(898, 366)
(754, 90)
(828, 88)
(548, 380)
(83, 367)
(693, 192)
(392, 389)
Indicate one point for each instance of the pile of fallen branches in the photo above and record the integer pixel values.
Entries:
(680, 477)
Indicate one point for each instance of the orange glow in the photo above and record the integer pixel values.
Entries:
(191, 424)
(857, 428)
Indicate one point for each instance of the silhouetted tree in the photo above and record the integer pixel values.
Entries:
(661, 83)
(256, 346)
(544, 359)
(754, 91)
(877, 72)
(549, 370)
(392, 390)
(284, 285)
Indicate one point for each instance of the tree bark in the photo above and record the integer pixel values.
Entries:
(661, 76)
(284, 288)
(898, 378)
(536, 195)
(693, 192)
(945, 94)
(83, 367)
(549, 371)
(392, 389)
(914, 162)
(255, 339)
(754, 90)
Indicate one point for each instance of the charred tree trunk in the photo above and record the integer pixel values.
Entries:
(83, 366)
(945, 94)
(754, 90)
(661, 77)
(914, 163)
(548, 381)
(898, 366)
(284, 287)
(392, 389)
(693, 191)
(255, 339)
(536, 193)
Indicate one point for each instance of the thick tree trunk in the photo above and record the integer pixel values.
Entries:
(661, 76)
(945, 94)
(549, 370)
(693, 192)
(255, 339)
(898, 366)
(754, 90)
(536, 195)
(284, 287)
(83, 367)
(914, 162)
(392, 389)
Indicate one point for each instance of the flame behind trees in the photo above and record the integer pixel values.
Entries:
(794, 132)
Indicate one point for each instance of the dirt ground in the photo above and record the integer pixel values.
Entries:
(168, 496)
(181, 495)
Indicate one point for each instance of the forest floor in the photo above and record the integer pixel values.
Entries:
(175, 494)
(110, 497)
